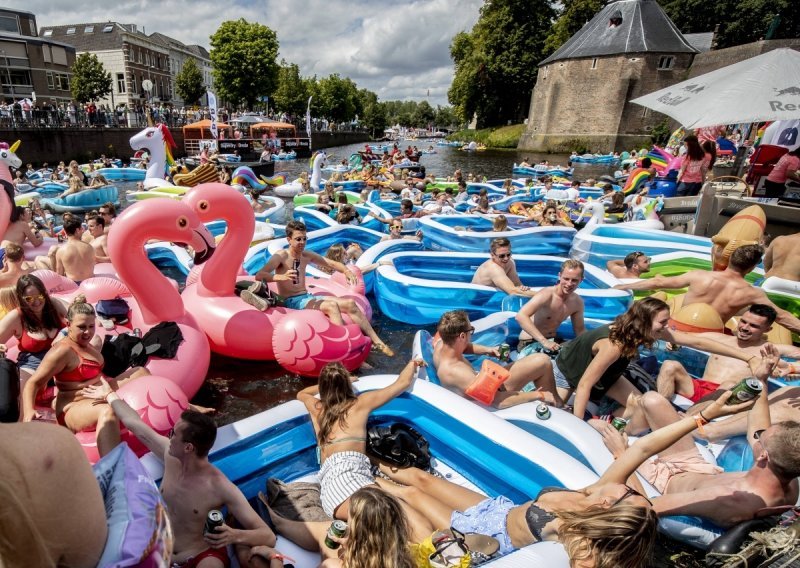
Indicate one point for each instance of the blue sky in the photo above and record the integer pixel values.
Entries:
(398, 49)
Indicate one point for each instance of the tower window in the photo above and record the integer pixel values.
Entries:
(594, 63)
(665, 62)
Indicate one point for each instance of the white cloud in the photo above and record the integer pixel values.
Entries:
(398, 49)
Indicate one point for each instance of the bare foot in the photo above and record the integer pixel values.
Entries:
(202, 409)
(383, 348)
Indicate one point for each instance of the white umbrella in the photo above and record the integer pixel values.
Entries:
(765, 87)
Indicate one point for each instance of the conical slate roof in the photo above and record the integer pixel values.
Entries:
(625, 26)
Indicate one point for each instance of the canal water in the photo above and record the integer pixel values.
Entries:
(238, 389)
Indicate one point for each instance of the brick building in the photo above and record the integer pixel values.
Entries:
(179, 53)
(32, 67)
(630, 48)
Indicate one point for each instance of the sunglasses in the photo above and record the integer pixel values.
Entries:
(757, 435)
(502, 256)
(629, 491)
(34, 298)
(398, 227)
(470, 330)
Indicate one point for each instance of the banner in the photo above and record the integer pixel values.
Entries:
(212, 109)
(308, 117)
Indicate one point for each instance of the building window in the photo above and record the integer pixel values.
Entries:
(545, 69)
(33, 27)
(46, 53)
(9, 24)
(120, 82)
(70, 31)
(108, 28)
(665, 62)
(47, 33)
(594, 63)
(50, 82)
(88, 30)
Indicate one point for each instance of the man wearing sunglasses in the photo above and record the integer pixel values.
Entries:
(691, 486)
(633, 266)
(287, 268)
(456, 373)
(191, 487)
(500, 271)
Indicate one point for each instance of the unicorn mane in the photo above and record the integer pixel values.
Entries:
(169, 143)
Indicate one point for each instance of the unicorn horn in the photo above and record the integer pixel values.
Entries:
(15, 145)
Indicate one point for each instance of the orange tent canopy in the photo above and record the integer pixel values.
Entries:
(261, 127)
(199, 129)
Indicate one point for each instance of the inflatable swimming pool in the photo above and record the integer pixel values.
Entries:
(122, 174)
(597, 244)
(317, 219)
(83, 201)
(312, 198)
(470, 446)
(473, 233)
(419, 287)
(540, 170)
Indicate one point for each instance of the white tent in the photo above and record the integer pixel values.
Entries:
(765, 87)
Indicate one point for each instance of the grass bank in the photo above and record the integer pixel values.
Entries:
(497, 137)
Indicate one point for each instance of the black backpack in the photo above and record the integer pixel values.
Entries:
(399, 445)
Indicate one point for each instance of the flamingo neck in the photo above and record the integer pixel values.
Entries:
(157, 298)
(218, 278)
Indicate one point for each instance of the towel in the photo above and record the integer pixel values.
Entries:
(298, 501)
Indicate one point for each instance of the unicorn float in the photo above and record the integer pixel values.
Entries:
(245, 176)
(661, 160)
(303, 341)
(8, 160)
(293, 188)
(158, 142)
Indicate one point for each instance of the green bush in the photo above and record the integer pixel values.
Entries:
(497, 137)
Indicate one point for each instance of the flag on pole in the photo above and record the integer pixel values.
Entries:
(308, 121)
(212, 109)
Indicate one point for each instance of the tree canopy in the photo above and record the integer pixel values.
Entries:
(90, 80)
(189, 83)
(291, 94)
(571, 19)
(496, 63)
(244, 58)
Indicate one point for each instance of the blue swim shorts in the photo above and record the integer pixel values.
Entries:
(487, 517)
(299, 302)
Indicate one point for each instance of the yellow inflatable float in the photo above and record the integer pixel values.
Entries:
(204, 173)
(744, 228)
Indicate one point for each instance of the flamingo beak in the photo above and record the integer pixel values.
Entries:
(15, 145)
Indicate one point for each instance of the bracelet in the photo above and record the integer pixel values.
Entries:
(109, 395)
(700, 421)
(706, 420)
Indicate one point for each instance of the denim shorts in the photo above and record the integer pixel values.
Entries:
(30, 361)
(299, 302)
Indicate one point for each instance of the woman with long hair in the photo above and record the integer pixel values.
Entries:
(339, 417)
(710, 148)
(591, 365)
(76, 363)
(377, 534)
(609, 524)
(35, 323)
(694, 167)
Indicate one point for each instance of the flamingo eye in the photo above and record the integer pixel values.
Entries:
(203, 206)
(182, 222)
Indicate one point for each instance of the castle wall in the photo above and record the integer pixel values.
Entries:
(582, 103)
(719, 58)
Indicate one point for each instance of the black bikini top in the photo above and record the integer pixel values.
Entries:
(536, 517)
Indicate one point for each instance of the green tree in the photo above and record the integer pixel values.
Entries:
(338, 98)
(291, 94)
(571, 19)
(496, 63)
(740, 21)
(423, 115)
(445, 117)
(244, 58)
(189, 83)
(90, 80)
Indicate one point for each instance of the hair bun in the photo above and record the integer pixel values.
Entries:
(79, 299)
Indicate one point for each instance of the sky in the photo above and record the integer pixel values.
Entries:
(400, 50)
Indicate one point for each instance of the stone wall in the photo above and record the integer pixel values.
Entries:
(582, 103)
(719, 58)
(52, 145)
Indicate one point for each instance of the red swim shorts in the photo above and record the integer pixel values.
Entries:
(221, 553)
(702, 388)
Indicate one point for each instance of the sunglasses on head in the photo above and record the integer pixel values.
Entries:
(628, 492)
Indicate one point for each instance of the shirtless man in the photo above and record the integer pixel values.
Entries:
(191, 487)
(726, 291)
(500, 271)
(14, 265)
(692, 486)
(75, 258)
(633, 266)
(287, 268)
(108, 212)
(724, 372)
(540, 317)
(456, 373)
(782, 258)
(21, 228)
(96, 227)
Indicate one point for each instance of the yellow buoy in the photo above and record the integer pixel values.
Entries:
(697, 318)
(744, 228)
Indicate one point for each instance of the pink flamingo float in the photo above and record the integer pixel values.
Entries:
(302, 341)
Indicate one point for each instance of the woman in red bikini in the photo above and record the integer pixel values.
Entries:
(35, 324)
(75, 364)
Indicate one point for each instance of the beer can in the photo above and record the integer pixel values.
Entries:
(213, 520)
(619, 423)
(748, 389)
(338, 530)
(505, 351)
(296, 268)
(542, 411)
